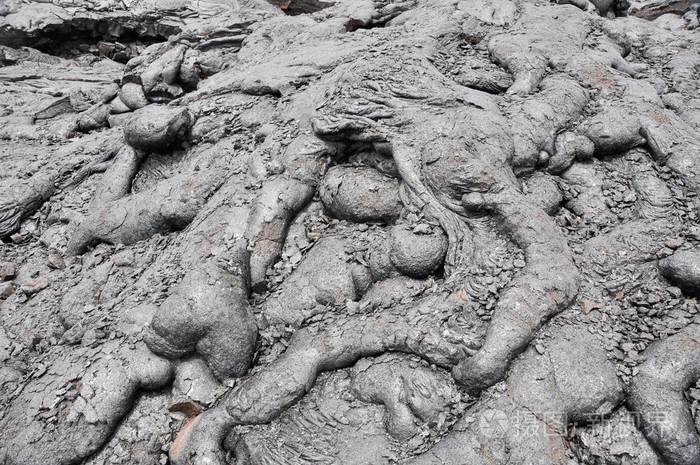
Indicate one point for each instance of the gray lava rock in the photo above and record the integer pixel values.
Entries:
(683, 269)
(208, 314)
(544, 193)
(410, 394)
(569, 146)
(133, 96)
(324, 277)
(158, 128)
(360, 194)
(417, 255)
(547, 391)
(456, 116)
(658, 394)
(117, 107)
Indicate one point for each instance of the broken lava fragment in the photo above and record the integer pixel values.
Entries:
(33, 287)
(6, 290)
(7, 271)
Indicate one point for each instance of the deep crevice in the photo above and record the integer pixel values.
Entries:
(653, 10)
(298, 7)
(119, 38)
(354, 24)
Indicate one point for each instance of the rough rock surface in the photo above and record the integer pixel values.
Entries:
(349, 232)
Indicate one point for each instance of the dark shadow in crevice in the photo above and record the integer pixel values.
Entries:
(118, 38)
(298, 7)
(653, 10)
(354, 24)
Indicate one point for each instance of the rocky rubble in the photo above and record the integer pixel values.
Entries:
(349, 232)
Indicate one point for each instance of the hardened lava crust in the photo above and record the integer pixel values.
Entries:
(349, 232)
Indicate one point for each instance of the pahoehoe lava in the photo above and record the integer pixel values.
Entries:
(350, 232)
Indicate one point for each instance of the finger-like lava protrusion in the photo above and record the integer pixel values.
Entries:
(117, 217)
(657, 396)
(323, 347)
(24, 198)
(158, 128)
(105, 395)
(324, 277)
(360, 194)
(546, 286)
(199, 441)
(209, 314)
(410, 394)
(117, 181)
(316, 348)
(567, 380)
(683, 269)
(279, 201)
(338, 420)
(169, 206)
